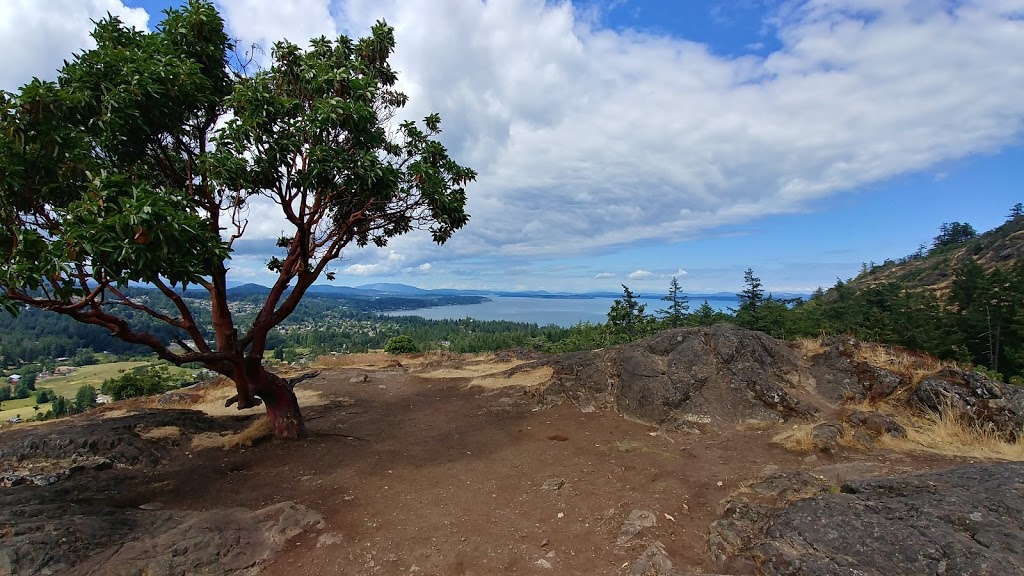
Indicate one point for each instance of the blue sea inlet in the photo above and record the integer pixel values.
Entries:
(543, 311)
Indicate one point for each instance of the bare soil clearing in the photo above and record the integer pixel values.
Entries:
(453, 467)
(433, 476)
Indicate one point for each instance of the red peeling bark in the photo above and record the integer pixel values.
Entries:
(253, 381)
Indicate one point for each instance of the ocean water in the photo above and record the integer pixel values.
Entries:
(543, 311)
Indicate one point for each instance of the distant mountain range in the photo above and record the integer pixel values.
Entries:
(382, 289)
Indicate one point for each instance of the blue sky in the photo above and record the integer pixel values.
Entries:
(625, 141)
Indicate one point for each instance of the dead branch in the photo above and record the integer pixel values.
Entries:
(291, 382)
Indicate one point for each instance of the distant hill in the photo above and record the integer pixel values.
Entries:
(249, 289)
(391, 288)
(1001, 247)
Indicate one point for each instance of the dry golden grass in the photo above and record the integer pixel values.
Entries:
(435, 358)
(797, 438)
(214, 394)
(913, 367)
(470, 370)
(258, 430)
(161, 433)
(810, 346)
(945, 434)
(948, 434)
(523, 379)
(116, 413)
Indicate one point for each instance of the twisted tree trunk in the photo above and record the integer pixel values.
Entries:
(254, 384)
(282, 406)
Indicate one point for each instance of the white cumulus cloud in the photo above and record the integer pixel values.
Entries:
(588, 138)
(37, 36)
(392, 263)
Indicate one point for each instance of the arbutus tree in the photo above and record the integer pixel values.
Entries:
(140, 163)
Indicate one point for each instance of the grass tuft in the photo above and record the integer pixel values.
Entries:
(811, 346)
(948, 434)
(260, 429)
(797, 438)
(945, 434)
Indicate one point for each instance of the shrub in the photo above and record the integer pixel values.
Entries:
(84, 357)
(59, 407)
(85, 398)
(400, 345)
(142, 381)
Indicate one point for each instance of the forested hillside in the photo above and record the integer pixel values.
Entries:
(961, 299)
(956, 245)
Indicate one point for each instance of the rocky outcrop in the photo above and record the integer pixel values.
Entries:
(42, 534)
(974, 398)
(232, 541)
(721, 373)
(728, 374)
(966, 520)
(825, 436)
(840, 376)
(117, 439)
(876, 423)
(66, 509)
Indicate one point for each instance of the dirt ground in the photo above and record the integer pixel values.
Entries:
(424, 474)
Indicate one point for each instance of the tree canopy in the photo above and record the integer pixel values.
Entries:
(951, 233)
(140, 164)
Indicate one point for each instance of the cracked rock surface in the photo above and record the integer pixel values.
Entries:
(965, 520)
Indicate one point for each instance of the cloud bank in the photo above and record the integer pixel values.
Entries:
(589, 138)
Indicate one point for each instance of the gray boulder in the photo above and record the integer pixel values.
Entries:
(826, 436)
(721, 373)
(876, 423)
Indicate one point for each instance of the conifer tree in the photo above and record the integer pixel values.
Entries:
(675, 315)
(627, 318)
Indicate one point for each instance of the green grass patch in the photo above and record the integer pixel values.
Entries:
(67, 386)
(25, 411)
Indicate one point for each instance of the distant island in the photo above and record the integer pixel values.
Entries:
(473, 296)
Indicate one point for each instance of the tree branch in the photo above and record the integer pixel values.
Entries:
(186, 315)
(292, 382)
(119, 328)
(143, 308)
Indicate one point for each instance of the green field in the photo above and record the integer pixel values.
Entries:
(94, 375)
(22, 408)
(67, 386)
